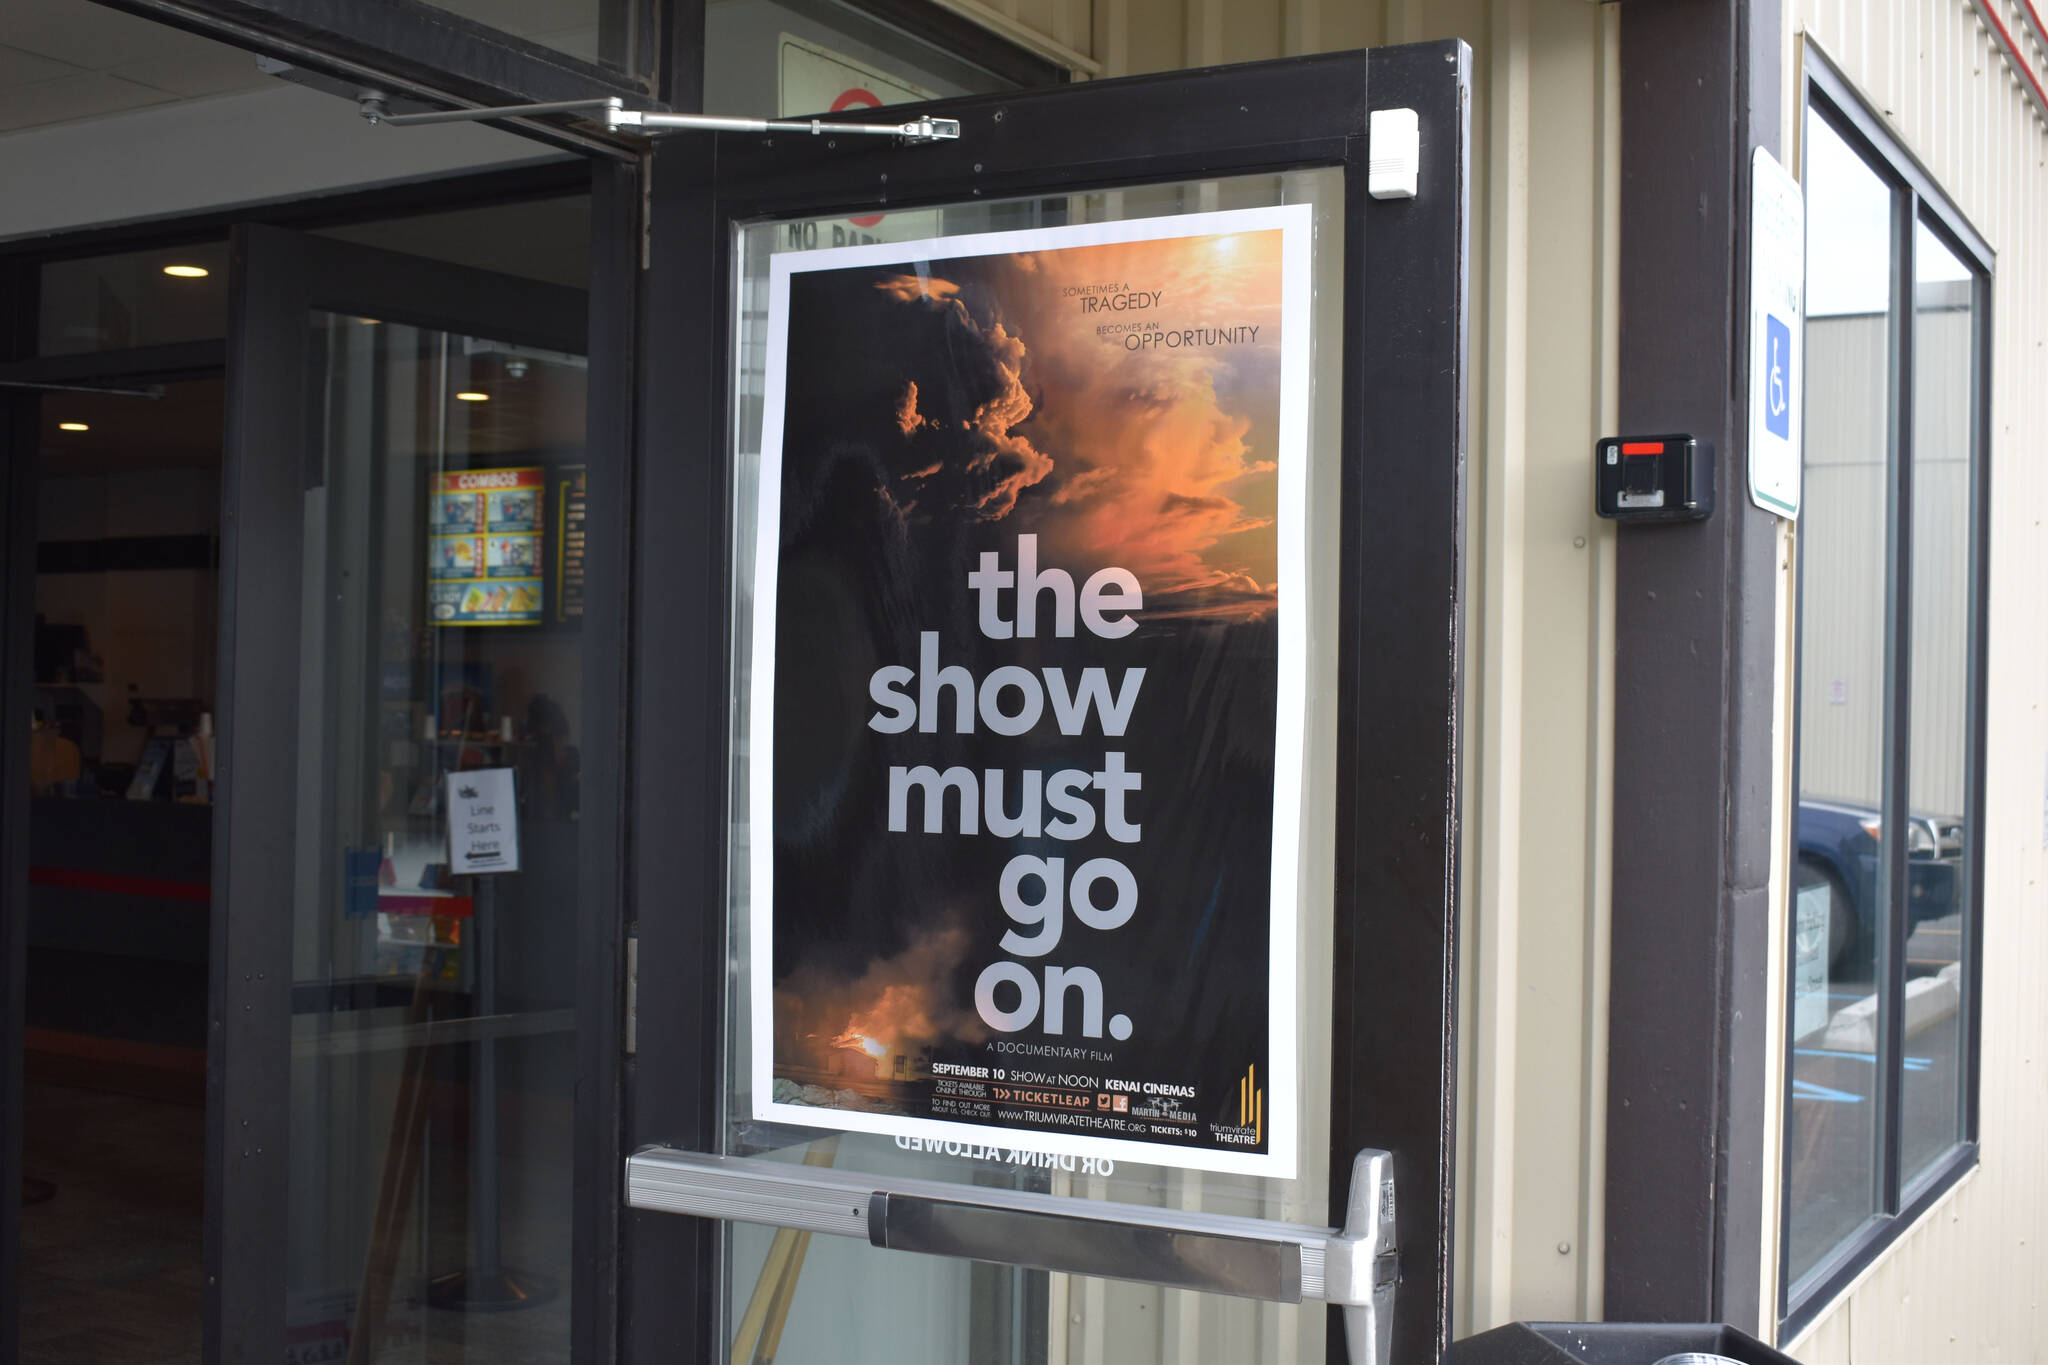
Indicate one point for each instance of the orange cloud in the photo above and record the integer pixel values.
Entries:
(1167, 457)
(907, 419)
(910, 287)
(1160, 459)
(993, 422)
(1008, 462)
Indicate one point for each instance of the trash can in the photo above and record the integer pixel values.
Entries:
(1610, 1343)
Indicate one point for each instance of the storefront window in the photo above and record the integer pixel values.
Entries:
(153, 297)
(1841, 880)
(432, 1011)
(537, 239)
(1887, 755)
(163, 296)
(578, 28)
(120, 868)
(1938, 766)
(434, 1020)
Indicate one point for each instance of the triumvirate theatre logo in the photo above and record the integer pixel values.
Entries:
(1027, 689)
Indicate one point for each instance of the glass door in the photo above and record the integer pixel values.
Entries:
(1086, 688)
(394, 1116)
(908, 1005)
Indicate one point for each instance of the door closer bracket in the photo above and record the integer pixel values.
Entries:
(612, 112)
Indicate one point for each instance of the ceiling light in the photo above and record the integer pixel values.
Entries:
(187, 272)
(73, 426)
(472, 396)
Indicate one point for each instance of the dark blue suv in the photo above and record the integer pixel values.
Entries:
(1838, 847)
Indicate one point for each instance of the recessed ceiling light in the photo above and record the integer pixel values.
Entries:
(73, 426)
(472, 396)
(187, 272)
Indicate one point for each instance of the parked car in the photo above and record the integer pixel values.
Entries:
(1838, 847)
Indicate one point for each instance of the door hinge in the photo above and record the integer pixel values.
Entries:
(632, 995)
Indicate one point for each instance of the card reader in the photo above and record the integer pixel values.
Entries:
(1654, 478)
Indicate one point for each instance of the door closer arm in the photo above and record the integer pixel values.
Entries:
(612, 112)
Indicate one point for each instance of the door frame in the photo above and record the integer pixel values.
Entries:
(18, 478)
(318, 35)
(1396, 868)
(614, 202)
(278, 278)
(20, 457)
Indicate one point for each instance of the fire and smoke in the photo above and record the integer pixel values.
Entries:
(894, 1008)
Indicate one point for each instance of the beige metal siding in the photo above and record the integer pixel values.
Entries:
(1842, 506)
(1842, 613)
(1539, 625)
(1061, 30)
(1941, 518)
(1966, 1283)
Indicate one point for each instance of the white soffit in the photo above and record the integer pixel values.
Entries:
(106, 118)
(62, 60)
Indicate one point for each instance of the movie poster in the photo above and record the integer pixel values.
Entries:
(1027, 690)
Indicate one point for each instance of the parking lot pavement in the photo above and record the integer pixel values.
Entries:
(1831, 1134)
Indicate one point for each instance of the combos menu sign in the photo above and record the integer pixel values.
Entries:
(1028, 676)
(484, 547)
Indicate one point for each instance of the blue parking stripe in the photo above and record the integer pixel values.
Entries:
(1912, 1063)
(1807, 1090)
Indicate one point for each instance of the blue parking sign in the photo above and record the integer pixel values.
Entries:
(1778, 377)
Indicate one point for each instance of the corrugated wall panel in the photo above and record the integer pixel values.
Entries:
(1841, 620)
(1941, 535)
(1540, 623)
(1969, 1283)
(1842, 612)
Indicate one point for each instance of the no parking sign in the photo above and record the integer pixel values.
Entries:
(814, 79)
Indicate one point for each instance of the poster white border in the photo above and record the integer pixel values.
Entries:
(1280, 1160)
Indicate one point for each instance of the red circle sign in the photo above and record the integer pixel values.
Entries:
(858, 98)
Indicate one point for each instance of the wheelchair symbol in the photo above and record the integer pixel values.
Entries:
(1777, 397)
(1777, 392)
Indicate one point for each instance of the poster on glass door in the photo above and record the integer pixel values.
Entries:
(1027, 690)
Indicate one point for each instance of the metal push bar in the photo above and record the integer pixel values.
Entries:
(1354, 1267)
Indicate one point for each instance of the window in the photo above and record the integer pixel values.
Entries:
(1881, 1110)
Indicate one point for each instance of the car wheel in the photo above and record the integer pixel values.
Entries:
(1842, 931)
